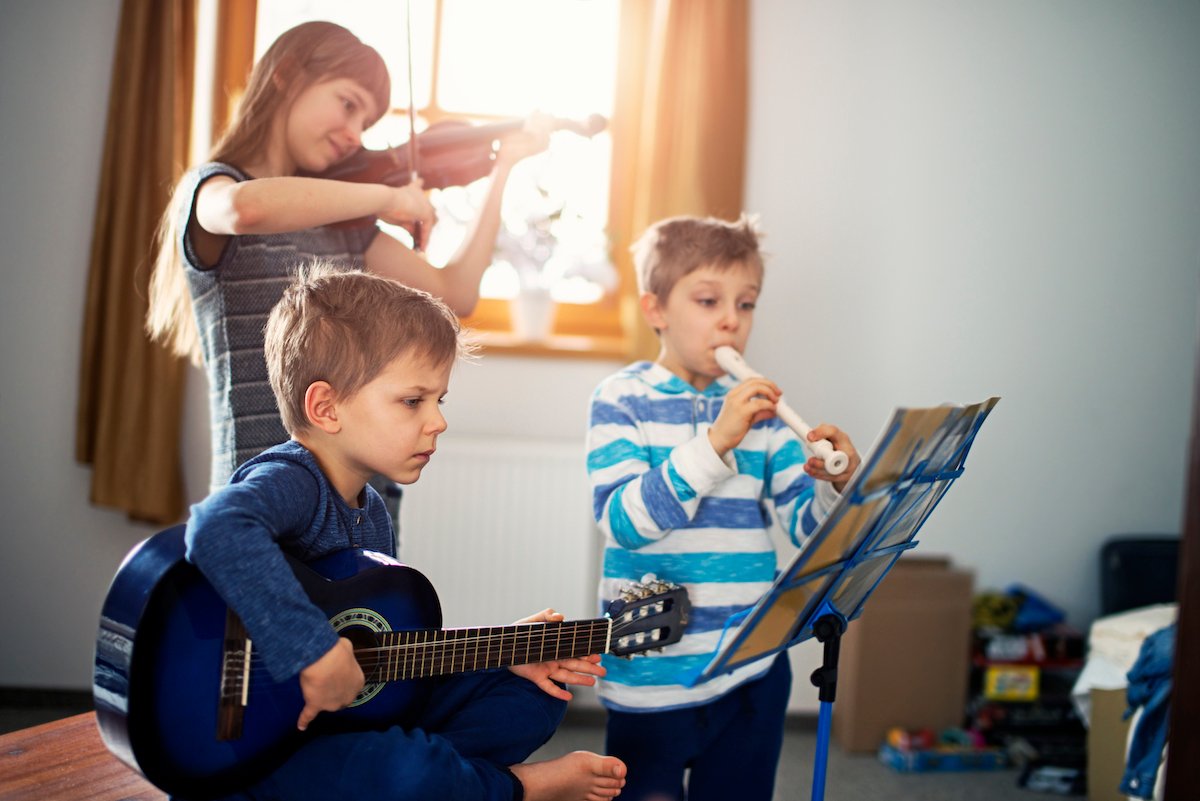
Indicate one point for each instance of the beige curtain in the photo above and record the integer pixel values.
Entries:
(130, 389)
(237, 21)
(679, 126)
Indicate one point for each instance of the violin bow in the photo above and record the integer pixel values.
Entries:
(412, 120)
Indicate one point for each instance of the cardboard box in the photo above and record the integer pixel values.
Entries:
(906, 660)
(1107, 735)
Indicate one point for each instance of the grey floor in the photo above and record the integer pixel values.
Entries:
(848, 777)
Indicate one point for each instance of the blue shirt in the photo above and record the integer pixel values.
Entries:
(277, 502)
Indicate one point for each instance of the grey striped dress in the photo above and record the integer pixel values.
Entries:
(232, 300)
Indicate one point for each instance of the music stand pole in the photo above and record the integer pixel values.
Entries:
(828, 630)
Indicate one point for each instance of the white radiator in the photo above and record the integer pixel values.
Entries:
(503, 528)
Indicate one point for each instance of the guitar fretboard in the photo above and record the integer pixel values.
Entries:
(437, 652)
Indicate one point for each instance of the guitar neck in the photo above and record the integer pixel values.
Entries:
(401, 655)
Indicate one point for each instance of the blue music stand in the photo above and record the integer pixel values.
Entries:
(915, 460)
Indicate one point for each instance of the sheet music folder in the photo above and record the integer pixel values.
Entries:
(916, 458)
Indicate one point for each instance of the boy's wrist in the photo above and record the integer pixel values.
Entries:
(825, 495)
(720, 444)
(725, 456)
(700, 466)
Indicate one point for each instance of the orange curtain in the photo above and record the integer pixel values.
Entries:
(679, 126)
(130, 389)
(236, 24)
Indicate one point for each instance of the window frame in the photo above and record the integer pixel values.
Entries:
(603, 329)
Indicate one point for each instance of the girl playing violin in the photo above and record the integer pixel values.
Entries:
(239, 225)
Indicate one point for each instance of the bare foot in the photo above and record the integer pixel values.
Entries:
(578, 776)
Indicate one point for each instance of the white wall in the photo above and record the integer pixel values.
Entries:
(963, 199)
(968, 199)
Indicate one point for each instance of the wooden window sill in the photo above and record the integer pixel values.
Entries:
(556, 345)
(590, 331)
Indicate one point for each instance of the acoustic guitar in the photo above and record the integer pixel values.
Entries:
(182, 698)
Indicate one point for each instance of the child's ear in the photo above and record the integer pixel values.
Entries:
(652, 310)
(320, 407)
(284, 73)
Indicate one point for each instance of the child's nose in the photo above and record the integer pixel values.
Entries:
(354, 127)
(729, 317)
(437, 424)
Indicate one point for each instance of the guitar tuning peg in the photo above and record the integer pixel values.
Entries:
(616, 607)
(636, 592)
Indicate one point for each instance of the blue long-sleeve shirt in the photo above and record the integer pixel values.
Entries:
(668, 505)
(277, 502)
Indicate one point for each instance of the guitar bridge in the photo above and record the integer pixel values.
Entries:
(235, 679)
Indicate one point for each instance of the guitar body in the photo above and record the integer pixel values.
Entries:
(162, 659)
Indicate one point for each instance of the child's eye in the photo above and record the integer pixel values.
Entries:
(747, 305)
(707, 301)
(411, 403)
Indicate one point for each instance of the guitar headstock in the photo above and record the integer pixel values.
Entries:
(649, 614)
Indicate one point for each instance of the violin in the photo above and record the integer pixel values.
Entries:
(451, 153)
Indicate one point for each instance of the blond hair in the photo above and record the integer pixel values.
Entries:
(309, 53)
(344, 327)
(676, 246)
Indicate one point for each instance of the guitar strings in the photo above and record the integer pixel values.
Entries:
(416, 665)
(443, 648)
(439, 655)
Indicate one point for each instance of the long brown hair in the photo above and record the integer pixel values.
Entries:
(309, 53)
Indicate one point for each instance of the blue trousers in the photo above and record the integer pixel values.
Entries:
(472, 728)
(731, 745)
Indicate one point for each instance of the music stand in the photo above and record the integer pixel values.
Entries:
(915, 460)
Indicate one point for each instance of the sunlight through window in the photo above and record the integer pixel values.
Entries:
(494, 61)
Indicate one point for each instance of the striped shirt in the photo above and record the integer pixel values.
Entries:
(232, 300)
(668, 505)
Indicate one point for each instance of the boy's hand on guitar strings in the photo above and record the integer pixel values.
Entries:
(581, 671)
(330, 683)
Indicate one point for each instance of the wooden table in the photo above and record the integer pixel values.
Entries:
(67, 761)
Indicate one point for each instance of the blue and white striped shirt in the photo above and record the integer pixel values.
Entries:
(668, 505)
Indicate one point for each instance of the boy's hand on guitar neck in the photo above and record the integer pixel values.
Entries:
(579, 671)
(330, 683)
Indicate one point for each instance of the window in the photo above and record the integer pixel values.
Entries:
(551, 287)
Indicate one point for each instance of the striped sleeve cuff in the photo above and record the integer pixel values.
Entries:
(824, 497)
(697, 463)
